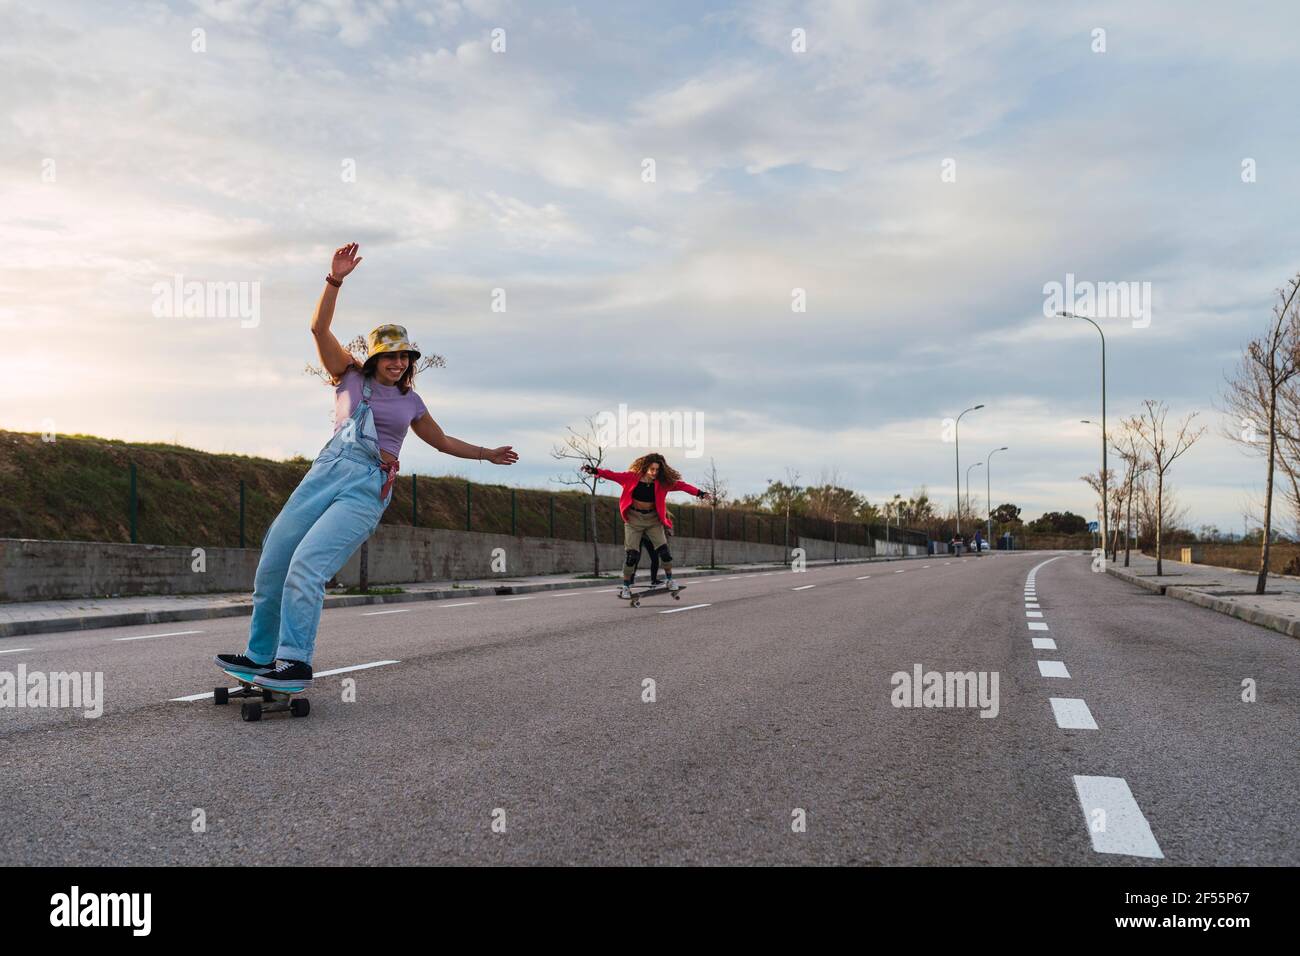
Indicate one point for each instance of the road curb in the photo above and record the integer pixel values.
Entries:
(88, 622)
(1274, 622)
(1131, 577)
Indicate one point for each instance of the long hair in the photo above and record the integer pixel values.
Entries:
(667, 473)
(405, 383)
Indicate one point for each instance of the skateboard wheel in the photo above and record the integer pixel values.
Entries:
(676, 596)
(300, 707)
(251, 711)
(221, 696)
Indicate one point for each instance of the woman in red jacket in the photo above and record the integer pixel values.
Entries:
(646, 485)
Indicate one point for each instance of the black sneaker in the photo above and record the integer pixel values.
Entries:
(243, 665)
(289, 676)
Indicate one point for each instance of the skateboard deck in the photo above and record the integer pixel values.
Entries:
(265, 700)
(648, 592)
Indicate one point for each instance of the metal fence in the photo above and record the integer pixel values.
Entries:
(457, 504)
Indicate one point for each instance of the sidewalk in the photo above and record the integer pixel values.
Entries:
(1225, 590)
(41, 617)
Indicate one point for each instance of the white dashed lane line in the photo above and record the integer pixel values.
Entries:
(804, 587)
(373, 613)
(1114, 819)
(15, 650)
(1111, 814)
(337, 670)
(1072, 714)
(676, 610)
(146, 637)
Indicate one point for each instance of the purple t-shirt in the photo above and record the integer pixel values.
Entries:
(393, 411)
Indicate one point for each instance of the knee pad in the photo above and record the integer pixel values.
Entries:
(664, 554)
(631, 558)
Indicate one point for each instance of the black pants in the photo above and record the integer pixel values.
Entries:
(654, 558)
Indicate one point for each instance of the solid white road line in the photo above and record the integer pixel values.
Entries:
(527, 597)
(1072, 714)
(373, 613)
(337, 670)
(1038, 626)
(692, 607)
(145, 637)
(565, 594)
(1052, 669)
(1044, 644)
(1114, 820)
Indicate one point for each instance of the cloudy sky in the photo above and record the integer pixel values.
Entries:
(920, 173)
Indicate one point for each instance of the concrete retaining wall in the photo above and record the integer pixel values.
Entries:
(34, 570)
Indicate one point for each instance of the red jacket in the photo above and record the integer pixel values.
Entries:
(629, 479)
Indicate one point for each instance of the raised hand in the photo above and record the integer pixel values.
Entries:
(505, 455)
(345, 260)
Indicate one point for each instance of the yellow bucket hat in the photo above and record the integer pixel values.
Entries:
(389, 338)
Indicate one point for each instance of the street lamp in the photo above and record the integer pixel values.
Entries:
(976, 465)
(956, 438)
(1105, 528)
(988, 490)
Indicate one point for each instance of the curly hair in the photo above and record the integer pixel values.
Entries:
(667, 473)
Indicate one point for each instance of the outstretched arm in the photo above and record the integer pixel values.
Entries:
(620, 476)
(430, 432)
(690, 489)
(333, 356)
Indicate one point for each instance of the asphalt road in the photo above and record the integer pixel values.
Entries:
(772, 695)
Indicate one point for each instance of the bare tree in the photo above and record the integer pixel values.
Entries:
(1270, 362)
(1171, 514)
(1163, 454)
(584, 448)
(718, 491)
(1116, 497)
(360, 349)
(1135, 467)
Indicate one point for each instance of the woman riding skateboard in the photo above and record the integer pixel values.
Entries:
(340, 501)
(646, 485)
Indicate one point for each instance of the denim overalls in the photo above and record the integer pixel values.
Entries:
(331, 512)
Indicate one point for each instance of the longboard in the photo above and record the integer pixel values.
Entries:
(647, 592)
(268, 701)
